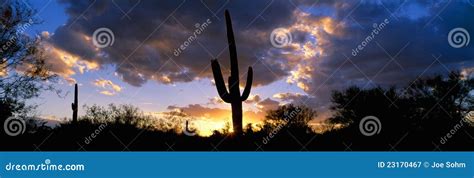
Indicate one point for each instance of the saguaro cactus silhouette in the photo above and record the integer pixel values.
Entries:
(74, 105)
(233, 95)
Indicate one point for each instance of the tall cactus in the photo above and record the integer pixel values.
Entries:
(232, 96)
(74, 105)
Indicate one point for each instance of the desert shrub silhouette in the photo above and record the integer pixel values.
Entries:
(412, 118)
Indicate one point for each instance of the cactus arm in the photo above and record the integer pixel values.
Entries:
(248, 85)
(234, 65)
(73, 106)
(219, 80)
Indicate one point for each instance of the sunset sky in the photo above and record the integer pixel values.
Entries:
(141, 67)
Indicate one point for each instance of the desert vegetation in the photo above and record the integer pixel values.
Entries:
(429, 113)
(412, 118)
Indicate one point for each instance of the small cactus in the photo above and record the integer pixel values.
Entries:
(232, 95)
(74, 105)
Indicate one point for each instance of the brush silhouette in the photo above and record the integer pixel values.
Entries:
(232, 96)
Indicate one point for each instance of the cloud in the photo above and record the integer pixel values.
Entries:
(413, 43)
(3, 69)
(198, 112)
(301, 99)
(107, 86)
(268, 104)
(143, 49)
(107, 93)
(215, 100)
(318, 60)
(288, 96)
(253, 99)
(63, 63)
(468, 72)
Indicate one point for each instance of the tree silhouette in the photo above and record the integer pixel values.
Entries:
(290, 116)
(438, 103)
(354, 104)
(22, 62)
(427, 109)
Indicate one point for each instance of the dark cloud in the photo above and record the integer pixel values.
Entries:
(302, 99)
(324, 35)
(296, 98)
(147, 33)
(416, 35)
(268, 104)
